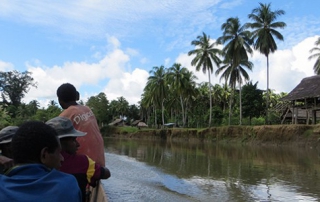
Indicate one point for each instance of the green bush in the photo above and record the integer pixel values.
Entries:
(108, 130)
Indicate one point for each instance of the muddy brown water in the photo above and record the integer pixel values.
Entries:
(154, 170)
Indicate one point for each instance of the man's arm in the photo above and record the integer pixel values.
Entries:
(105, 173)
(96, 171)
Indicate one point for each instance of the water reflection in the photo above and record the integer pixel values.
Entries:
(207, 172)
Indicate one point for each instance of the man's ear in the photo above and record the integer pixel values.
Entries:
(43, 155)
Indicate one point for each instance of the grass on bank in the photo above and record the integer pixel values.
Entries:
(268, 134)
(123, 130)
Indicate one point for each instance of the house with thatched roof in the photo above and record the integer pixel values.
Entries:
(304, 101)
(142, 124)
(135, 123)
(139, 123)
(117, 122)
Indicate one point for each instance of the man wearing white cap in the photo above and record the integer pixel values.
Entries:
(6, 135)
(81, 166)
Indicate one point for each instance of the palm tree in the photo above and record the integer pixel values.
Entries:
(264, 29)
(122, 106)
(316, 66)
(52, 103)
(205, 54)
(33, 106)
(176, 78)
(200, 104)
(4, 117)
(233, 75)
(238, 41)
(181, 80)
(225, 95)
(158, 87)
(190, 92)
(146, 105)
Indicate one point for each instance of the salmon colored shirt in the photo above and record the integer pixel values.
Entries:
(84, 120)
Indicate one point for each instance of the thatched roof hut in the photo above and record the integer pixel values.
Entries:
(309, 87)
(305, 101)
(134, 123)
(142, 124)
(117, 122)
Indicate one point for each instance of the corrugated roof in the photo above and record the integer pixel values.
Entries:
(309, 87)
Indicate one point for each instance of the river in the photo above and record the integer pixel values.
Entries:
(147, 170)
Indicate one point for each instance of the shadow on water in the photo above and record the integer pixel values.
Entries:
(207, 171)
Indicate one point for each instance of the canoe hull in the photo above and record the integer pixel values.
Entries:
(98, 194)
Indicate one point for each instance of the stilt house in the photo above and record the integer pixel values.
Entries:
(304, 102)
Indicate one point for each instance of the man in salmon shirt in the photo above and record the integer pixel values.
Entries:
(83, 120)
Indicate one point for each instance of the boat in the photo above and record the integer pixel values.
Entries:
(98, 194)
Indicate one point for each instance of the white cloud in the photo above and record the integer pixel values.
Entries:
(185, 61)
(6, 66)
(286, 67)
(167, 62)
(89, 18)
(129, 85)
(231, 4)
(132, 52)
(144, 60)
(111, 69)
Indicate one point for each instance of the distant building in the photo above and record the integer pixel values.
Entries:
(117, 122)
(139, 123)
(304, 102)
(135, 123)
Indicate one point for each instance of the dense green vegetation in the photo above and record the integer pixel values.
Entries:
(232, 63)
(172, 94)
(182, 95)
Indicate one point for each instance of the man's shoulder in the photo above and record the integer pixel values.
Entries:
(74, 109)
(62, 176)
(84, 159)
(75, 159)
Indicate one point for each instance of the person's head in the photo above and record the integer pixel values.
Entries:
(36, 142)
(67, 94)
(6, 135)
(66, 133)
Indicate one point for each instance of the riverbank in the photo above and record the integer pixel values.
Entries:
(296, 135)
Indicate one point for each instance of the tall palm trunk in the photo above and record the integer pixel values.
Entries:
(162, 107)
(240, 99)
(210, 99)
(148, 116)
(267, 99)
(240, 96)
(182, 109)
(230, 108)
(155, 117)
(186, 113)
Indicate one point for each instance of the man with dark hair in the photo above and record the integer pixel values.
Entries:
(36, 154)
(86, 171)
(6, 135)
(83, 120)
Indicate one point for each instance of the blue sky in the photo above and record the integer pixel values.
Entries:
(110, 46)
